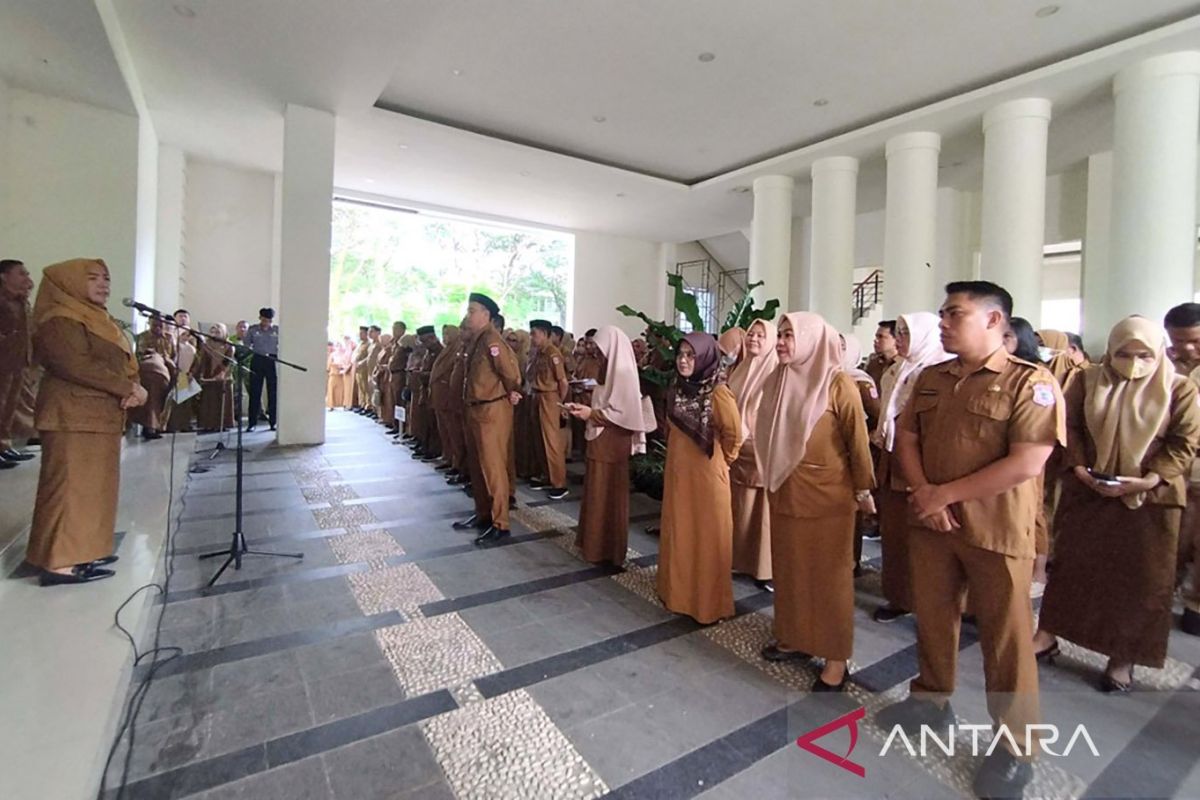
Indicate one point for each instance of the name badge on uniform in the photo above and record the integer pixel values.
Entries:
(556, 360)
(874, 394)
(494, 350)
(1043, 394)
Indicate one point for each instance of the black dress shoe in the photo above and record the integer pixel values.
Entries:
(1110, 685)
(821, 686)
(558, 494)
(472, 523)
(887, 614)
(442, 468)
(80, 573)
(1190, 622)
(538, 483)
(772, 652)
(491, 535)
(16, 455)
(766, 586)
(249, 429)
(912, 712)
(1002, 776)
(150, 436)
(512, 502)
(8, 465)
(1047, 655)
(429, 459)
(104, 562)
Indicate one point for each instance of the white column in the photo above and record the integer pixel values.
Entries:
(1153, 244)
(952, 261)
(1097, 307)
(800, 274)
(276, 240)
(664, 298)
(147, 213)
(305, 232)
(168, 253)
(910, 223)
(1014, 201)
(834, 206)
(771, 236)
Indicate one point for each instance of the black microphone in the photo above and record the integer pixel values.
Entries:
(129, 302)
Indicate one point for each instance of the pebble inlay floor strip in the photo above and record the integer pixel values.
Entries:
(506, 748)
(435, 653)
(403, 587)
(375, 545)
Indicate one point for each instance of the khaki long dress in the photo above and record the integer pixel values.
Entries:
(604, 512)
(214, 409)
(80, 419)
(695, 554)
(751, 515)
(156, 357)
(1113, 582)
(812, 530)
(893, 533)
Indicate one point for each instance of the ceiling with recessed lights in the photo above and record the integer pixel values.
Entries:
(690, 89)
(608, 116)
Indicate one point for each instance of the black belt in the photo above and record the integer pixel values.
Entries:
(485, 402)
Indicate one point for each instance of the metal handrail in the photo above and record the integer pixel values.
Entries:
(867, 293)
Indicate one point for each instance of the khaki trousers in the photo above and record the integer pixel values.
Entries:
(552, 445)
(489, 427)
(942, 568)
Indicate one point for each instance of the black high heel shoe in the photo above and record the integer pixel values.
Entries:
(1110, 685)
(1048, 655)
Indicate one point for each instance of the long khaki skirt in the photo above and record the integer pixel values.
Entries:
(76, 506)
(814, 583)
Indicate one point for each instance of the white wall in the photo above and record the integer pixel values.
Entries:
(228, 240)
(68, 185)
(145, 269)
(168, 251)
(611, 271)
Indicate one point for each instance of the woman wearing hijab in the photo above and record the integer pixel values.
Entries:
(181, 415)
(730, 345)
(1131, 419)
(817, 468)
(333, 380)
(918, 345)
(616, 426)
(91, 379)
(156, 358)
(1057, 356)
(751, 517)
(868, 392)
(704, 432)
(214, 410)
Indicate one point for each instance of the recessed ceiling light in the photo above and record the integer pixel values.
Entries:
(456, 73)
(525, 173)
(599, 118)
(187, 12)
(707, 57)
(620, 194)
(403, 146)
(1046, 11)
(820, 101)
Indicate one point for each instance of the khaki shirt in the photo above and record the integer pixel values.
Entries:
(86, 379)
(876, 366)
(492, 371)
(360, 357)
(16, 343)
(966, 422)
(547, 369)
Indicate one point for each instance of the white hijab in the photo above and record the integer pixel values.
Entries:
(620, 396)
(896, 385)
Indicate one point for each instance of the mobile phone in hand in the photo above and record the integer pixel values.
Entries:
(1104, 478)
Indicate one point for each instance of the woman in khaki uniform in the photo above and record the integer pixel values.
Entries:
(90, 380)
(156, 360)
(704, 432)
(214, 409)
(918, 344)
(817, 468)
(616, 428)
(1112, 586)
(333, 380)
(751, 517)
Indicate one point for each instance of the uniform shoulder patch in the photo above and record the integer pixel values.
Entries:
(874, 393)
(556, 360)
(1043, 394)
(494, 350)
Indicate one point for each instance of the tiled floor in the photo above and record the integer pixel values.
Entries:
(396, 660)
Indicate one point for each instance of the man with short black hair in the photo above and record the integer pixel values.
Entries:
(1183, 329)
(885, 350)
(263, 341)
(1075, 351)
(358, 365)
(16, 352)
(971, 442)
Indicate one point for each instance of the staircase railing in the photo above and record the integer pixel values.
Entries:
(867, 293)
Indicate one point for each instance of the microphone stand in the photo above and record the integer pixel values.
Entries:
(237, 546)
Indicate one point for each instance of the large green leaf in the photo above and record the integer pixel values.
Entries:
(685, 303)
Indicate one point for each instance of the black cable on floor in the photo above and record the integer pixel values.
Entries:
(159, 655)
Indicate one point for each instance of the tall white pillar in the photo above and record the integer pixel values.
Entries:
(771, 236)
(910, 223)
(147, 212)
(1098, 309)
(664, 296)
(1014, 201)
(834, 206)
(1153, 245)
(168, 254)
(305, 232)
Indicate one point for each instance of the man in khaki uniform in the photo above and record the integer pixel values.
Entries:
(374, 351)
(884, 354)
(358, 365)
(547, 378)
(1183, 328)
(971, 442)
(460, 474)
(16, 351)
(429, 445)
(492, 382)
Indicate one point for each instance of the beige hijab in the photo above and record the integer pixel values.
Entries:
(63, 293)
(852, 357)
(750, 375)
(896, 384)
(1059, 345)
(796, 396)
(1125, 416)
(620, 396)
